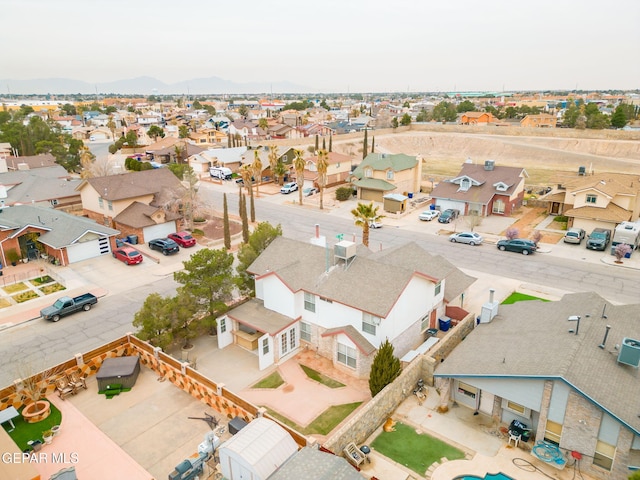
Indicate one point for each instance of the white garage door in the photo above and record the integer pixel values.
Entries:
(158, 231)
(444, 204)
(90, 249)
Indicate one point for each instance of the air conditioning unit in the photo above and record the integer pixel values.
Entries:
(629, 352)
(344, 250)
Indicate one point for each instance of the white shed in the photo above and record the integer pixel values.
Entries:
(256, 451)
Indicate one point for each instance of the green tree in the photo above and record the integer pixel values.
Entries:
(322, 166)
(196, 105)
(423, 116)
(131, 138)
(298, 165)
(444, 112)
(68, 109)
(245, 220)
(365, 144)
(619, 117)
(384, 369)
(466, 106)
(183, 131)
(364, 215)
(405, 120)
(111, 125)
(208, 277)
(153, 321)
(373, 144)
(263, 124)
(330, 142)
(394, 122)
(243, 110)
(181, 170)
(273, 160)
(225, 221)
(155, 131)
(246, 173)
(317, 144)
(262, 236)
(182, 312)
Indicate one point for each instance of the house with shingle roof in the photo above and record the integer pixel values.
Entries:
(482, 190)
(600, 200)
(338, 168)
(34, 231)
(137, 203)
(342, 303)
(567, 369)
(46, 186)
(380, 174)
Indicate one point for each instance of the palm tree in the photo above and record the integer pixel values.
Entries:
(322, 165)
(364, 215)
(273, 160)
(299, 164)
(111, 125)
(256, 166)
(246, 173)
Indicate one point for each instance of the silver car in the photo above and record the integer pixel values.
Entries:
(470, 238)
(574, 235)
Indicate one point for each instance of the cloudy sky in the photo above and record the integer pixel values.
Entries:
(328, 46)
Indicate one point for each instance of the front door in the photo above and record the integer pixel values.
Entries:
(265, 351)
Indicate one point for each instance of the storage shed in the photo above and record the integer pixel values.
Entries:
(395, 202)
(256, 451)
(313, 463)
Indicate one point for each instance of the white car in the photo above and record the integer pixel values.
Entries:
(429, 215)
(375, 225)
(289, 187)
(470, 238)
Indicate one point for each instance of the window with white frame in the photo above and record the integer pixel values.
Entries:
(110, 205)
(438, 288)
(101, 202)
(498, 206)
(465, 183)
(265, 346)
(389, 174)
(223, 325)
(309, 302)
(592, 198)
(368, 172)
(604, 455)
(553, 432)
(305, 331)
(369, 323)
(516, 408)
(347, 355)
(424, 322)
(467, 390)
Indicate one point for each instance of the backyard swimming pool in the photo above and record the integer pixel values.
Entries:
(488, 476)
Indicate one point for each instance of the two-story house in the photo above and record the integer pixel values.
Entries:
(343, 303)
(566, 369)
(338, 169)
(482, 190)
(382, 173)
(136, 203)
(601, 200)
(45, 186)
(209, 136)
(541, 120)
(477, 118)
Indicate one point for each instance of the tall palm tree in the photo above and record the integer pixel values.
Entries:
(246, 172)
(299, 164)
(273, 160)
(256, 166)
(322, 165)
(364, 215)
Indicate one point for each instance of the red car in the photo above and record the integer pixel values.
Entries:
(184, 239)
(128, 255)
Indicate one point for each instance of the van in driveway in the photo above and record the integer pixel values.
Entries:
(222, 173)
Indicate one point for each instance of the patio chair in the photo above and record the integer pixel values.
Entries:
(354, 455)
(64, 388)
(77, 381)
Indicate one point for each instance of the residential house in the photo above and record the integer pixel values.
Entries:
(313, 129)
(27, 162)
(338, 169)
(247, 130)
(476, 118)
(46, 186)
(567, 369)
(231, 158)
(600, 200)
(34, 232)
(209, 137)
(541, 120)
(172, 150)
(482, 190)
(342, 303)
(282, 131)
(382, 173)
(137, 203)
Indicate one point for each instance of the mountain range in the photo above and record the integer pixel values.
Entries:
(144, 86)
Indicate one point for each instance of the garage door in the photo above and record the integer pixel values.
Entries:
(370, 195)
(90, 249)
(158, 231)
(444, 204)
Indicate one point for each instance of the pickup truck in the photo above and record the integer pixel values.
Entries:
(67, 305)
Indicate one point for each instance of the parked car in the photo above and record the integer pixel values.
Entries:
(429, 215)
(184, 239)
(574, 235)
(67, 305)
(307, 192)
(519, 245)
(471, 238)
(128, 255)
(599, 239)
(375, 225)
(449, 215)
(165, 245)
(289, 187)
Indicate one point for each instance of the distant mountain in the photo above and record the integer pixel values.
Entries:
(144, 86)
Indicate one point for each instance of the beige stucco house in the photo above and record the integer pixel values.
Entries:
(380, 174)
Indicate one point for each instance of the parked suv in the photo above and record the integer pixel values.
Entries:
(574, 235)
(289, 187)
(599, 239)
(448, 215)
(165, 245)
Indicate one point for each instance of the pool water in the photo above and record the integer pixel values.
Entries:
(488, 476)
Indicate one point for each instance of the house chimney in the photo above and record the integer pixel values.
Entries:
(491, 292)
(606, 334)
(317, 230)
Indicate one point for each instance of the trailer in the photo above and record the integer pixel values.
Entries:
(628, 233)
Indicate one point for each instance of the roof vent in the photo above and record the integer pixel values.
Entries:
(345, 250)
(629, 352)
(489, 164)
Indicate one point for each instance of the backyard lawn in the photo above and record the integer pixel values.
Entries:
(324, 423)
(32, 431)
(415, 451)
(520, 297)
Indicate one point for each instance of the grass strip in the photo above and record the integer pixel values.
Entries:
(32, 431)
(521, 297)
(272, 381)
(321, 378)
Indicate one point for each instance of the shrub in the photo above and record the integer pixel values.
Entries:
(512, 233)
(621, 250)
(561, 219)
(343, 193)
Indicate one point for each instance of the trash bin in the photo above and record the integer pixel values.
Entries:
(432, 206)
(410, 194)
(445, 324)
(119, 242)
(132, 239)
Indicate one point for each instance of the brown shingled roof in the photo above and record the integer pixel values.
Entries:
(135, 184)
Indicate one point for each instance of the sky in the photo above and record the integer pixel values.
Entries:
(330, 46)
